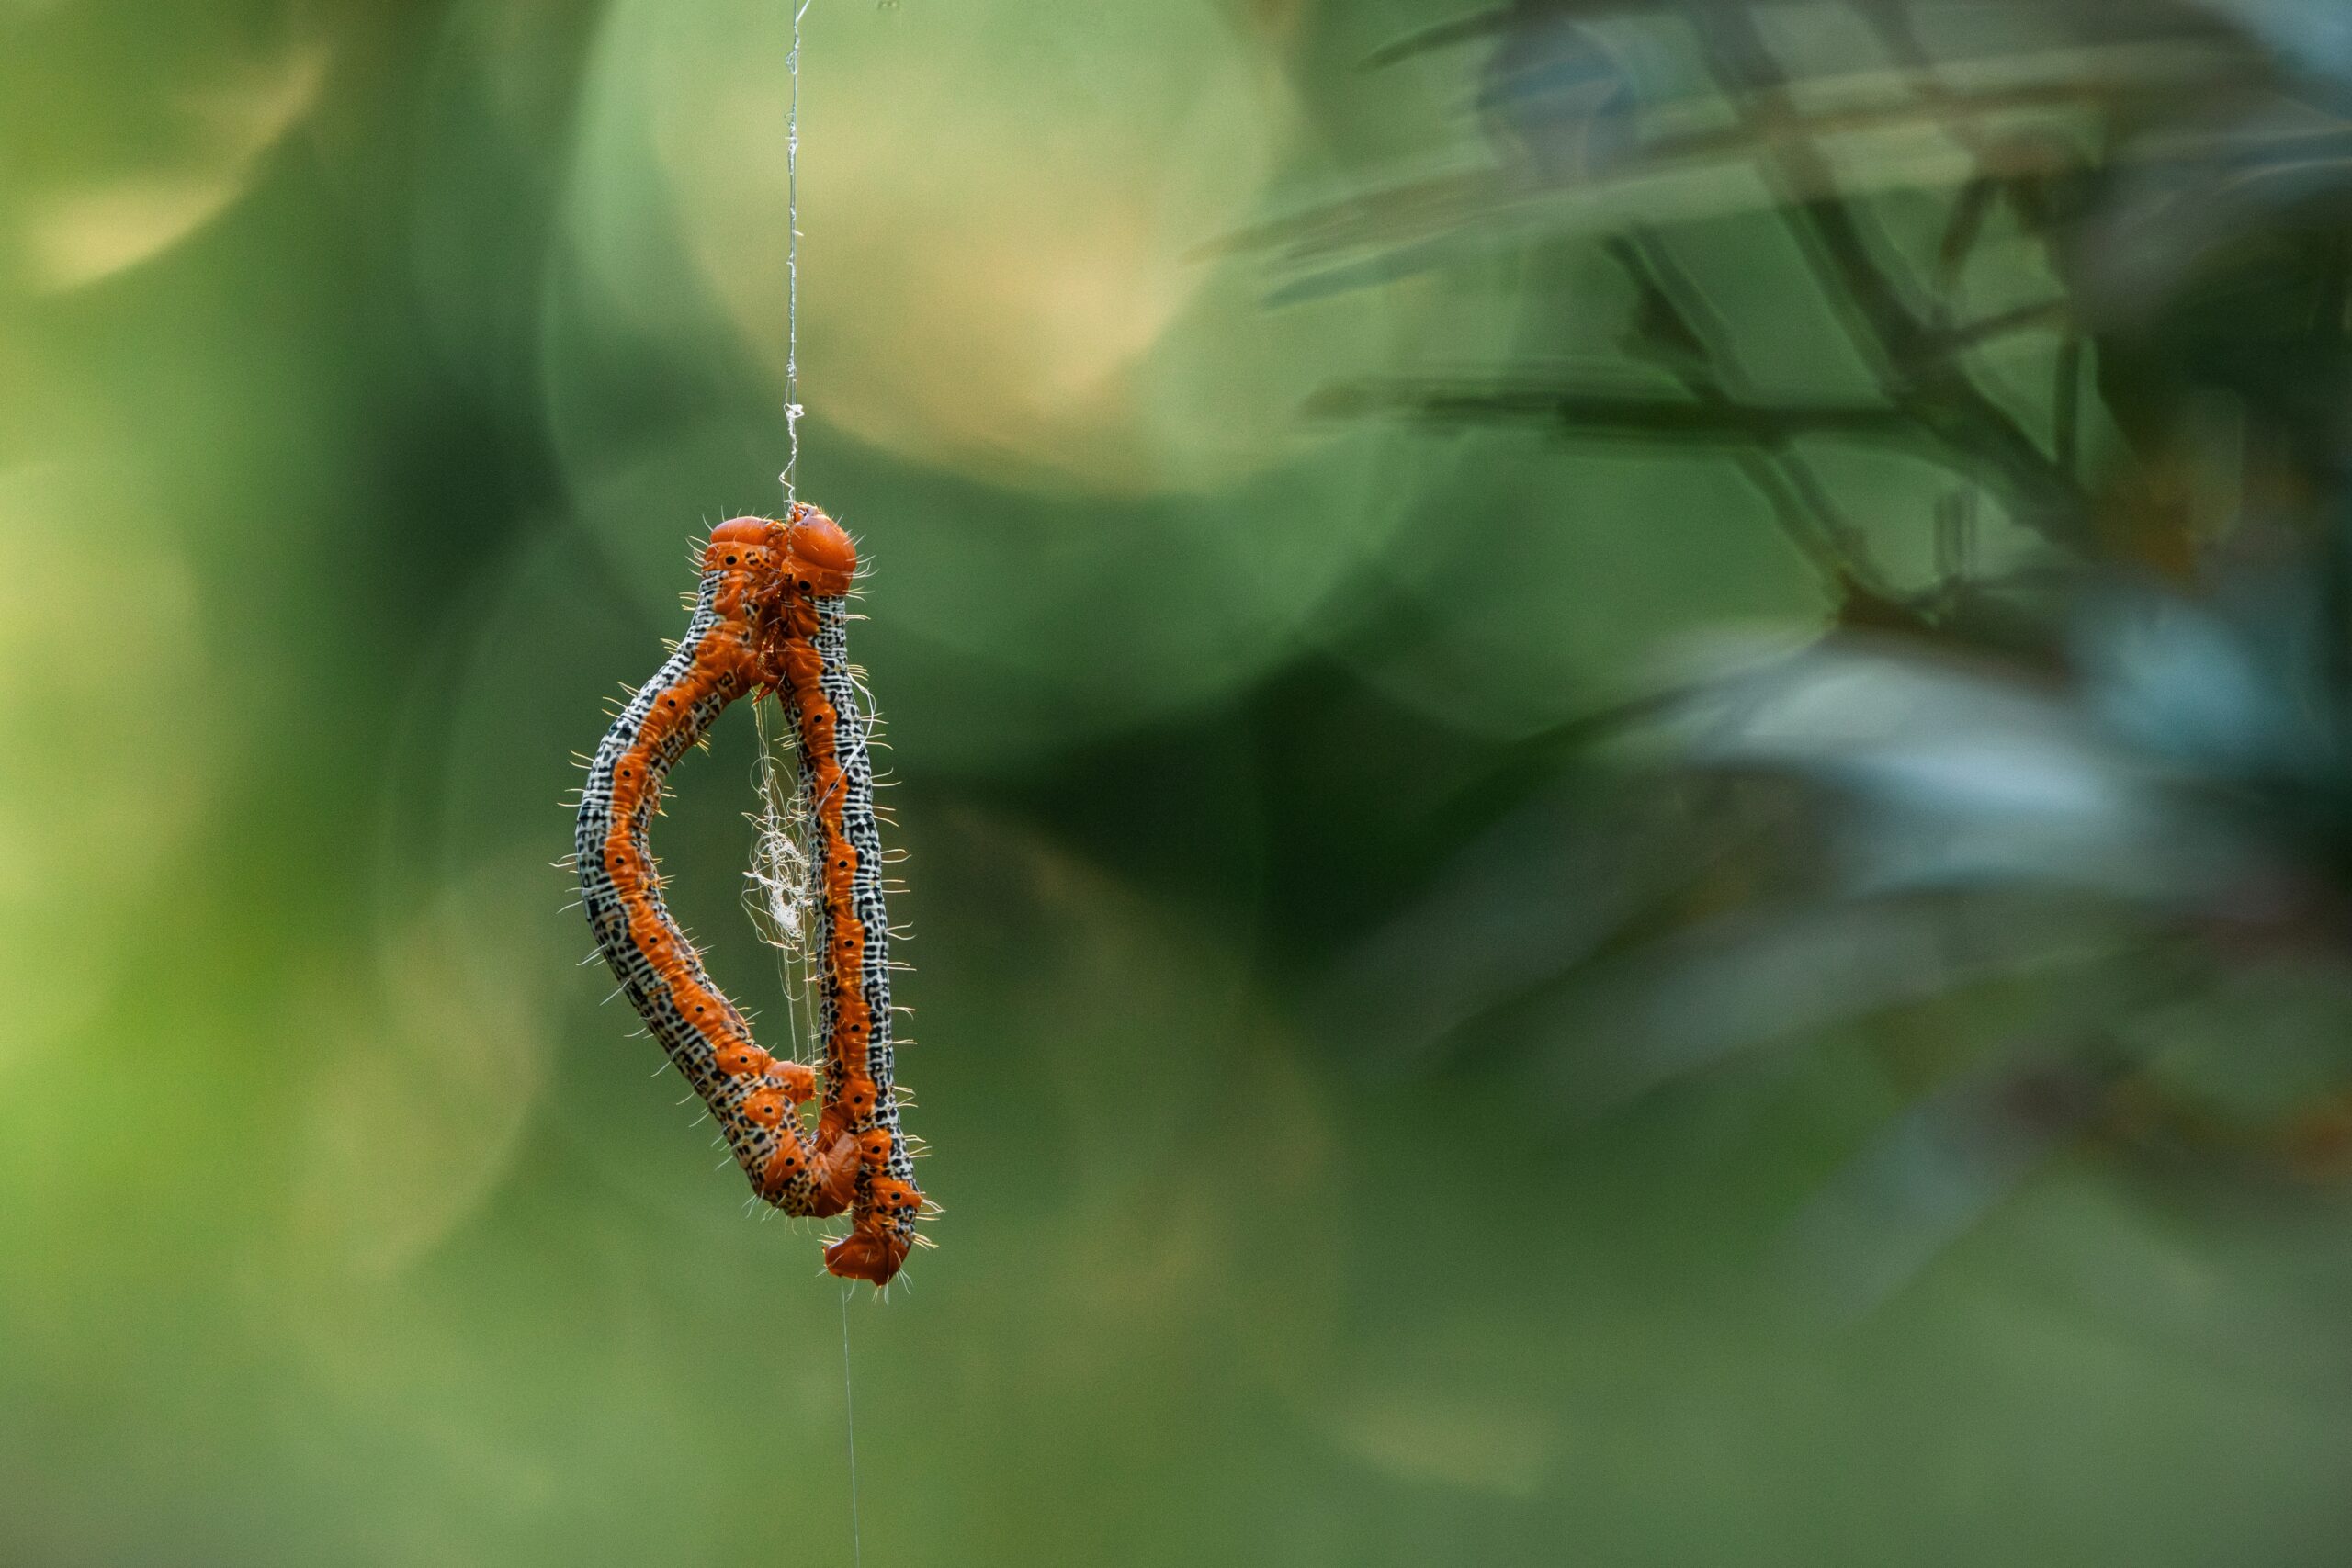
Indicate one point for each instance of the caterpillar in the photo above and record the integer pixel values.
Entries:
(770, 618)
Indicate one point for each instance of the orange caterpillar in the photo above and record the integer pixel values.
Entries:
(770, 618)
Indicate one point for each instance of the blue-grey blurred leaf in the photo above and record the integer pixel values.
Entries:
(1956, 776)
(2312, 35)
(1930, 1176)
(2232, 690)
(1780, 974)
(1534, 897)
(1552, 99)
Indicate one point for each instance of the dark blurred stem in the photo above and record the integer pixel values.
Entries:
(1611, 414)
(1682, 334)
(2066, 408)
(1932, 389)
(1459, 29)
(1900, 37)
(1975, 335)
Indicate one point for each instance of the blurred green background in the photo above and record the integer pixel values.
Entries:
(366, 367)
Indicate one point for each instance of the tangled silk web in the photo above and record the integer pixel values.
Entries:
(780, 886)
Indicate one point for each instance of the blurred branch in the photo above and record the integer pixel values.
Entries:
(1927, 386)
(1608, 414)
(1416, 209)
(1945, 342)
(1461, 29)
(1675, 327)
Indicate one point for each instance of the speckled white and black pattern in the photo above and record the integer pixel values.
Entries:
(854, 756)
(692, 1043)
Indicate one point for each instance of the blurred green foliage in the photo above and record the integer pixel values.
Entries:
(365, 369)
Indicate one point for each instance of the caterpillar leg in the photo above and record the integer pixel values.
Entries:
(837, 1171)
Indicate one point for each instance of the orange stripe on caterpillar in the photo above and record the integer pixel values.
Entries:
(770, 618)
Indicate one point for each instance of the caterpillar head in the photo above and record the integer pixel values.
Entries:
(808, 548)
(822, 546)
